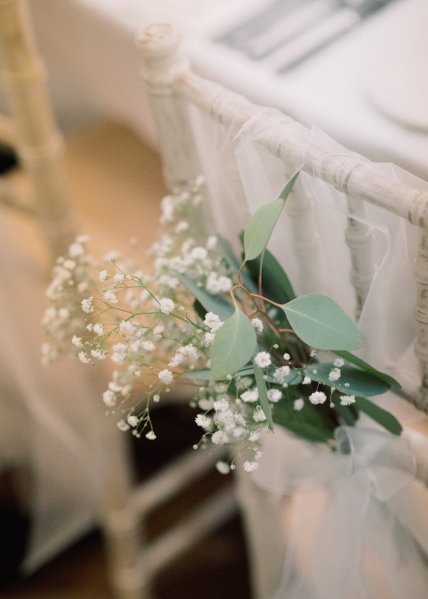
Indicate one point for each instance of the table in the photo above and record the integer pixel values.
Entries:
(90, 44)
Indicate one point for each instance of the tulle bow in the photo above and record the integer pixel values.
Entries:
(359, 526)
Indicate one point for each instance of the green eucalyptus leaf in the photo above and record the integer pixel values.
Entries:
(381, 416)
(247, 371)
(275, 282)
(199, 309)
(229, 255)
(200, 374)
(294, 378)
(260, 226)
(227, 252)
(348, 415)
(233, 346)
(311, 423)
(212, 303)
(321, 323)
(368, 368)
(359, 382)
(264, 400)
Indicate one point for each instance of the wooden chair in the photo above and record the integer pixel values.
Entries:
(31, 128)
(176, 93)
(122, 507)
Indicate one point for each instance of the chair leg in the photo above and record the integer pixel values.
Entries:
(261, 515)
(123, 545)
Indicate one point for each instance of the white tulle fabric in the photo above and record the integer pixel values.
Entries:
(48, 424)
(358, 520)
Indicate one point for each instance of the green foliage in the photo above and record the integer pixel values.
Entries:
(321, 323)
(384, 418)
(260, 226)
(228, 253)
(389, 380)
(233, 346)
(211, 303)
(233, 262)
(359, 382)
(264, 401)
(313, 423)
(275, 282)
(199, 374)
(347, 415)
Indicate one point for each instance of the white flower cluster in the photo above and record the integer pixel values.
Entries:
(146, 327)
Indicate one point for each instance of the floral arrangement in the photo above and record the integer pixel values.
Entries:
(253, 353)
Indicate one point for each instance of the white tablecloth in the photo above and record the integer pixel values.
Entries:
(89, 43)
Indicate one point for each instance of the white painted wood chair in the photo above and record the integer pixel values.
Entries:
(31, 129)
(176, 94)
(122, 507)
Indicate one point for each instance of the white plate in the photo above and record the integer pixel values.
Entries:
(397, 65)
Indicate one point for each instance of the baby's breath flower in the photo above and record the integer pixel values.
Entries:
(298, 404)
(220, 438)
(274, 395)
(110, 296)
(98, 329)
(88, 305)
(286, 356)
(151, 436)
(84, 358)
(166, 376)
(208, 339)
(205, 404)
(263, 359)
(203, 421)
(317, 397)
(257, 324)
(119, 352)
(75, 250)
(347, 400)
(111, 256)
(123, 426)
(259, 415)
(99, 354)
(77, 341)
(250, 396)
(339, 362)
(222, 467)
(70, 264)
(103, 275)
(250, 466)
(212, 321)
(306, 380)
(334, 374)
(199, 253)
(166, 305)
(109, 398)
(281, 374)
(148, 346)
(119, 277)
(133, 421)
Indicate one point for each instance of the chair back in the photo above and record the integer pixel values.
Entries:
(371, 197)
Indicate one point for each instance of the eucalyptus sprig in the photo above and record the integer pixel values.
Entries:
(232, 326)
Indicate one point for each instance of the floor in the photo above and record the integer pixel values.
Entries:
(215, 568)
